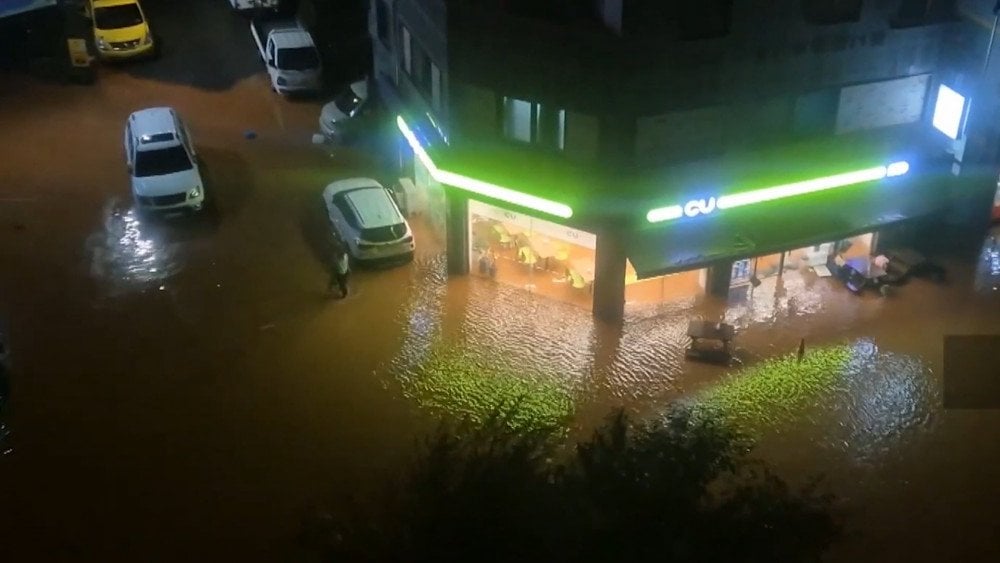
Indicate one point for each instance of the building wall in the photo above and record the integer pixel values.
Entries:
(773, 77)
(425, 22)
(770, 50)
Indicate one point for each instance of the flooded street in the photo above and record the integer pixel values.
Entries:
(182, 388)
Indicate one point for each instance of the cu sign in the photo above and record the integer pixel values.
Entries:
(697, 207)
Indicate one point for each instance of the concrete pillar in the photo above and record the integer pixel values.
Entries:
(457, 235)
(609, 278)
(720, 275)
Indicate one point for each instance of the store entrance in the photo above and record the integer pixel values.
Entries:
(818, 260)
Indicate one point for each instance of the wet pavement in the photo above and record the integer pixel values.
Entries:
(184, 388)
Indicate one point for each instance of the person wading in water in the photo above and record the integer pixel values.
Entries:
(341, 271)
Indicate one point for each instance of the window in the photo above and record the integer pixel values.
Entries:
(425, 74)
(517, 119)
(825, 12)
(435, 87)
(382, 21)
(705, 19)
(117, 17)
(162, 161)
(297, 58)
(346, 210)
(407, 54)
(421, 69)
(912, 13)
(534, 123)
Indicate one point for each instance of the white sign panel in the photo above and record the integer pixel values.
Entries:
(882, 104)
(533, 225)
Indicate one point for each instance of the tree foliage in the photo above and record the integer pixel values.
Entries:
(682, 489)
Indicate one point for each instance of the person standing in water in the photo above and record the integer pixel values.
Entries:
(341, 272)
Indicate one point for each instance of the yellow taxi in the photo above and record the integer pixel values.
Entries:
(121, 30)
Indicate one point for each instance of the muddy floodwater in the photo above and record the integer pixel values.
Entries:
(183, 388)
(915, 482)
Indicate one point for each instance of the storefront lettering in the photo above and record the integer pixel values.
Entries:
(697, 207)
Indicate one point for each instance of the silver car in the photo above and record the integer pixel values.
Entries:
(366, 220)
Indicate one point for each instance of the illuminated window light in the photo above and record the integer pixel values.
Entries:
(703, 207)
(478, 186)
(948, 111)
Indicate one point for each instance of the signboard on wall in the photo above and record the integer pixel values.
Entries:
(882, 104)
(12, 7)
(534, 225)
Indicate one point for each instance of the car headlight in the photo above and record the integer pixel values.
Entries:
(281, 81)
(195, 192)
(101, 43)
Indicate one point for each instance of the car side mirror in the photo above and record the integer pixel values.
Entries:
(270, 61)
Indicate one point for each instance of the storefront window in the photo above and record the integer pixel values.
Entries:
(537, 255)
(811, 260)
(662, 289)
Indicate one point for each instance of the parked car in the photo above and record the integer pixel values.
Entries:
(339, 119)
(250, 5)
(288, 51)
(367, 222)
(121, 30)
(162, 162)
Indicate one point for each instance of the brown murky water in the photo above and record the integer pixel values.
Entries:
(184, 388)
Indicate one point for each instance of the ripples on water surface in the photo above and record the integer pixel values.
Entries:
(131, 252)
(871, 402)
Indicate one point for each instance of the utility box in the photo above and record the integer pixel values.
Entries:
(81, 62)
(414, 199)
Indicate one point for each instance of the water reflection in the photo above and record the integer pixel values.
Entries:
(131, 251)
(864, 411)
(886, 398)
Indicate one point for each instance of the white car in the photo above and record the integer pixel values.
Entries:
(248, 5)
(335, 116)
(162, 162)
(366, 219)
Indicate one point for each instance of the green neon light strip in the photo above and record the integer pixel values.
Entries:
(478, 186)
(673, 212)
(668, 213)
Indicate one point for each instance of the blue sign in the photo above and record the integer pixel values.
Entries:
(11, 7)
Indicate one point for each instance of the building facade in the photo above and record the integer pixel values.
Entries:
(613, 153)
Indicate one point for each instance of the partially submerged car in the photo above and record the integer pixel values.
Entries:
(162, 162)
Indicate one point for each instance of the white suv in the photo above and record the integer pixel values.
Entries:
(366, 219)
(162, 162)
